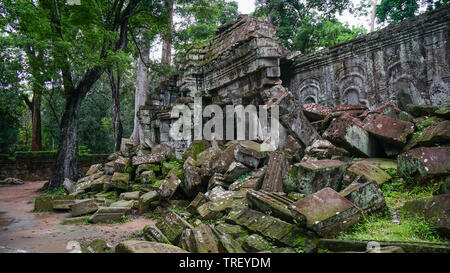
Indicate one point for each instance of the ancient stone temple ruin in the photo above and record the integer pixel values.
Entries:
(366, 114)
(405, 63)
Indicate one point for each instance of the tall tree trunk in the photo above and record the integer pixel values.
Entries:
(140, 96)
(114, 82)
(36, 131)
(166, 52)
(66, 162)
(373, 15)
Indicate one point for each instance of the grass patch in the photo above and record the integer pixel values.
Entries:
(400, 190)
(380, 227)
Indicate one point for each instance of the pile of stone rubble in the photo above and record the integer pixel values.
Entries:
(238, 198)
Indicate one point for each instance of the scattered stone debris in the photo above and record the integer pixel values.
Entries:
(242, 196)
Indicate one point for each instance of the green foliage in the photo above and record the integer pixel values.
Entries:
(200, 20)
(307, 25)
(380, 227)
(55, 192)
(242, 178)
(393, 11)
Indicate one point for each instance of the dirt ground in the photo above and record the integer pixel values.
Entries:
(24, 231)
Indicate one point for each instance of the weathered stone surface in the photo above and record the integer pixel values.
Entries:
(120, 181)
(73, 220)
(99, 184)
(292, 117)
(199, 200)
(227, 244)
(391, 131)
(311, 176)
(124, 203)
(235, 170)
(168, 188)
(316, 112)
(45, 203)
(365, 195)
(435, 209)
(133, 246)
(195, 148)
(152, 158)
(367, 71)
(11, 181)
(85, 182)
(256, 243)
(337, 245)
(93, 169)
(418, 110)
(347, 132)
(276, 169)
(207, 213)
(192, 180)
(226, 158)
(326, 212)
(255, 180)
(64, 204)
(423, 163)
(391, 110)
(84, 207)
(146, 200)
(216, 180)
(134, 195)
(235, 231)
(152, 233)
(109, 168)
(207, 161)
(432, 135)
(121, 164)
(203, 240)
(147, 177)
(271, 203)
(369, 171)
(271, 227)
(249, 153)
(109, 214)
(172, 225)
(292, 150)
(323, 149)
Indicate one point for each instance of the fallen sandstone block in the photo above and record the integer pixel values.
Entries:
(270, 203)
(109, 214)
(152, 233)
(172, 225)
(84, 207)
(133, 246)
(326, 212)
(391, 131)
(423, 163)
(347, 132)
(365, 195)
(271, 227)
(276, 169)
(311, 176)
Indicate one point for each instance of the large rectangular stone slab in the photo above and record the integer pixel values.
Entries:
(276, 169)
(311, 176)
(369, 171)
(391, 131)
(327, 212)
(347, 132)
(271, 203)
(172, 225)
(109, 214)
(365, 195)
(84, 207)
(271, 227)
(425, 162)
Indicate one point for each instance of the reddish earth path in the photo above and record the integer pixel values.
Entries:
(24, 231)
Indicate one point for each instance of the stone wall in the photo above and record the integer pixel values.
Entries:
(407, 62)
(38, 168)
